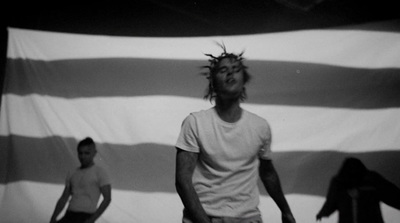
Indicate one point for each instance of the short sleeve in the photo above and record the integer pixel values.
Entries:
(265, 150)
(187, 139)
(68, 177)
(104, 178)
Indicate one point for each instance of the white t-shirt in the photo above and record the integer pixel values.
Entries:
(85, 186)
(226, 174)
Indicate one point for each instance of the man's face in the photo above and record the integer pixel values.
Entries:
(228, 79)
(86, 155)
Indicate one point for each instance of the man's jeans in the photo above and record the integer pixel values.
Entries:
(254, 219)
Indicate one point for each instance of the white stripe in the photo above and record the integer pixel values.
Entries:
(348, 48)
(37, 201)
(157, 119)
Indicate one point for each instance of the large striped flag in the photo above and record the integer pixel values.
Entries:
(327, 94)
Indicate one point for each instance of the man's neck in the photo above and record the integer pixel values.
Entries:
(87, 166)
(228, 110)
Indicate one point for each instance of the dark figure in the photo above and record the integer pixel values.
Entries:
(84, 186)
(356, 192)
(223, 150)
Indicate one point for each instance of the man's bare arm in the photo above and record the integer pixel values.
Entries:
(272, 184)
(185, 165)
(62, 201)
(106, 193)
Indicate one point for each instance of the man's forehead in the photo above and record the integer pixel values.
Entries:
(229, 61)
(87, 148)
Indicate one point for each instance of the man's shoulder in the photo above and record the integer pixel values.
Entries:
(101, 174)
(202, 113)
(99, 168)
(73, 170)
(255, 118)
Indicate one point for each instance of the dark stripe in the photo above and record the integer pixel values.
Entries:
(151, 167)
(275, 83)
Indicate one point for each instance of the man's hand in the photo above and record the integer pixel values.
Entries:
(288, 218)
(318, 217)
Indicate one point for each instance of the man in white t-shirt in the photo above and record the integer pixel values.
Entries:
(222, 151)
(84, 185)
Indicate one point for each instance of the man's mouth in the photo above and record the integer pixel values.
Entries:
(230, 81)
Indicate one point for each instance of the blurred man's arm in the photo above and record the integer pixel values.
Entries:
(106, 193)
(62, 201)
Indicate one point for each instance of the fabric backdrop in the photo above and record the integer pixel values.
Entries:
(327, 94)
